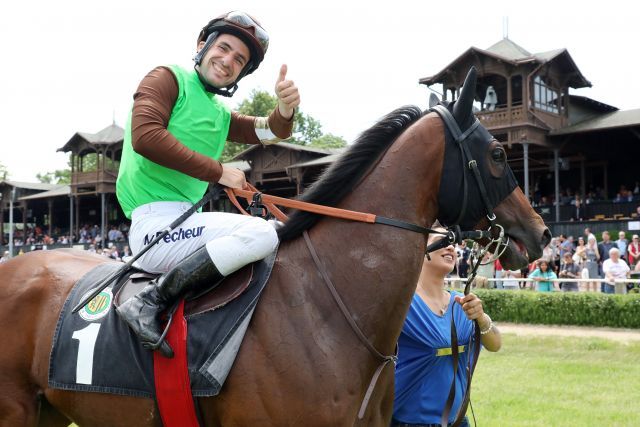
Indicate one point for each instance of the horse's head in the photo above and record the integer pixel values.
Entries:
(469, 194)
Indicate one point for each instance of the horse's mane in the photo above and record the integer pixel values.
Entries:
(347, 171)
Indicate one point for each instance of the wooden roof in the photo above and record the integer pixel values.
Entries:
(83, 142)
(508, 51)
(62, 190)
(612, 120)
(41, 186)
(287, 145)
(317, 162)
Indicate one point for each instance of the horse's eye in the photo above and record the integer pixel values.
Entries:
(499, 155)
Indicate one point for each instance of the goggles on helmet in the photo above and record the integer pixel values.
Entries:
(247, 22)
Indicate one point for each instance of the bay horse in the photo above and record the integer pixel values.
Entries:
(300, 362)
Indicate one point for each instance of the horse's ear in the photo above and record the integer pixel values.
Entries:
(433, 100)
(463, 108)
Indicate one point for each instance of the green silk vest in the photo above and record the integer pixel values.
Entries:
(199, 121)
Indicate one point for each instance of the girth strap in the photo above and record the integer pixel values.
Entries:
(384, 360)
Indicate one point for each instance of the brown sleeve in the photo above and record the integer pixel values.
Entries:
(242, 128)
(281, 127)
(152, 106)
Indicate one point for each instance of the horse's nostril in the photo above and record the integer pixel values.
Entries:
(546, 238)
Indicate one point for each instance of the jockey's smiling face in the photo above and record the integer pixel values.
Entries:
(224, 61)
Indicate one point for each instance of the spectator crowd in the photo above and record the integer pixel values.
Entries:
(566, 257)
(91, 237)
(605, 260)
(580, 205)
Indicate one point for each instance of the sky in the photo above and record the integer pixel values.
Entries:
(73, 66)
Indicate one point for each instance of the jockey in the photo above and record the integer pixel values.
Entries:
(173, 138)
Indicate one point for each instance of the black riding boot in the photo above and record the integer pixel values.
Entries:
(193, 275)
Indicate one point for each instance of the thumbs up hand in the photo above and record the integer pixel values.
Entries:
(287, 93)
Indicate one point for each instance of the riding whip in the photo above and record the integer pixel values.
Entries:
(118, 273)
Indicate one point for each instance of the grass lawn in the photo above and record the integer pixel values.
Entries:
(558, 381)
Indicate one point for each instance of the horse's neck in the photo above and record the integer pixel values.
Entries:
(376, 267)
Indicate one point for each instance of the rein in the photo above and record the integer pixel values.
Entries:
(258, 208)
(270, 201)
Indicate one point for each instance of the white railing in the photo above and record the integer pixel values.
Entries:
(620, 284)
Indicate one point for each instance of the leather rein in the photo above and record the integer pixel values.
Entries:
(262, 204)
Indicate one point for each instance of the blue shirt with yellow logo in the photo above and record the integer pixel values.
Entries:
(424, 371)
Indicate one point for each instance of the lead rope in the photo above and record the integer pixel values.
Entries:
(475, 340)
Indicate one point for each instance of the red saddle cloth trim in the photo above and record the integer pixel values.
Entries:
(173, 388)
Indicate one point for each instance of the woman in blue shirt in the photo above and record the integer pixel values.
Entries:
(423, 372)
(543, 276)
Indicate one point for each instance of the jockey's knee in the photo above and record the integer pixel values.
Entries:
(264, 238)
(253, 240)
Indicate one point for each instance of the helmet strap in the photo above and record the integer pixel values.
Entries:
(197, 59)
(225, 91)
(207, 44)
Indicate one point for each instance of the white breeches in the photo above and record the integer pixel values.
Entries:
(232, 240)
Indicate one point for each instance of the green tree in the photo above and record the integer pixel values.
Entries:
(60, 176)
(306, 130)
(90, 162)
(63, 176)
(328, 141)
(4, 172)
(259, 103)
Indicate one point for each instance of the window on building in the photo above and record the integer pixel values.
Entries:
(516, 90)
(492, 92)
(544, 98)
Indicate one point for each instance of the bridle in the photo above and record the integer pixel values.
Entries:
(497, 237)
(495, 232)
